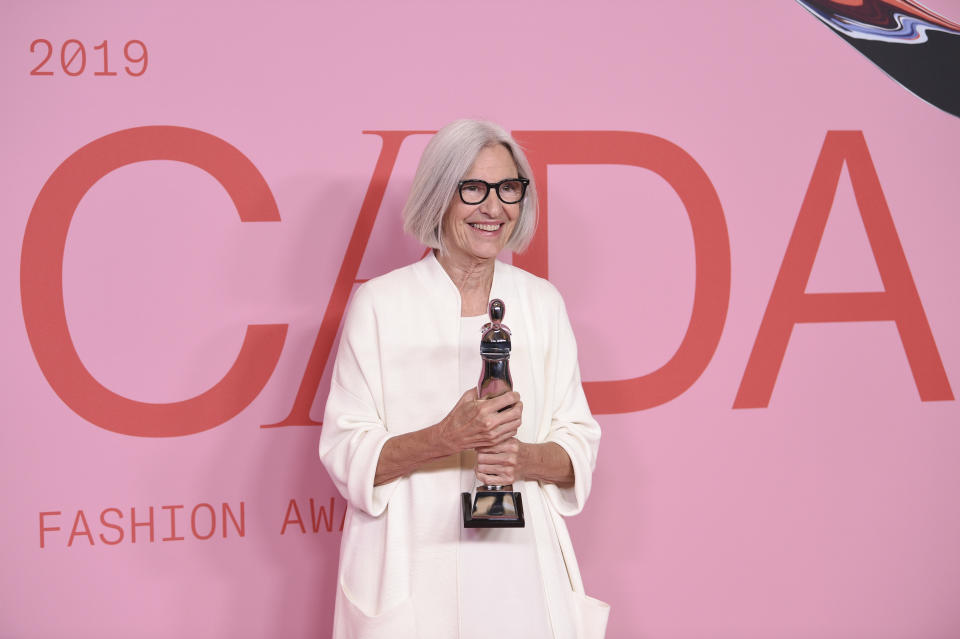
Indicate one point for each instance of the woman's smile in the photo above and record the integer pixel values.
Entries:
(488, 228)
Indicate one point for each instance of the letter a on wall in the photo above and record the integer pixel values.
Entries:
(790, 304)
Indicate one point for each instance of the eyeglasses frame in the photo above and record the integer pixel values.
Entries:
(494, 187)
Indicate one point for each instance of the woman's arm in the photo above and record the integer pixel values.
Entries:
(547, 462)
(405, 453)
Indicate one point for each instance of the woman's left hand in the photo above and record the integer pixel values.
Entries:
(499, 465)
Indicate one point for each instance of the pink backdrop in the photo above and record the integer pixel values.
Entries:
(829, 512)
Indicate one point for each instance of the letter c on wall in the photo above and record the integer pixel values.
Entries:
(41, 283)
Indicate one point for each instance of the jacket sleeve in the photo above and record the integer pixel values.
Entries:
(354, 432)
(572, 426)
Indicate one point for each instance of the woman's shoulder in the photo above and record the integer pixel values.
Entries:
(394, 286)
(392, 278)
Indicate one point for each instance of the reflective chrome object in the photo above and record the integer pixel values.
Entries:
(494, 506)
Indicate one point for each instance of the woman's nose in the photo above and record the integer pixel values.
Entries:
(492, 205)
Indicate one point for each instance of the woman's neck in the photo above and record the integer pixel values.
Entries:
(473, 278)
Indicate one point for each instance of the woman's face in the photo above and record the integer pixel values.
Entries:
(472, 231)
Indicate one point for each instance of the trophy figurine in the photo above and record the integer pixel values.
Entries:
(494, 506)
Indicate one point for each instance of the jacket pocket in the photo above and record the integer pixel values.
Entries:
(591, 615)
(354, 622)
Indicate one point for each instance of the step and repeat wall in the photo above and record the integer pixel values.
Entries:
(750, 209)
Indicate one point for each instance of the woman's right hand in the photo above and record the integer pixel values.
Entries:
(479, 423)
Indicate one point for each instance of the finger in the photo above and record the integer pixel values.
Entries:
(493, 435)
(504, 432)
(499, 447)
(495, 479)
(493, 465)
(495, 469)
(491, 469)
(502, 401)
(504, 450)
(511, 412)
(511, 443)
(492, 420)
(488, 480)
(496, 458)
(495, 421)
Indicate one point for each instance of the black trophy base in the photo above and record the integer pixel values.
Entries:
(492, 509)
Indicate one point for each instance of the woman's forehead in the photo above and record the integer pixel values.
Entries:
(495, 159)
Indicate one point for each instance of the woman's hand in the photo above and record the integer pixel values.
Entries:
(473, 423)
(499, 465)
(481, 423)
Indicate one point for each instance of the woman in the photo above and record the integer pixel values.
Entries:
(402, 438)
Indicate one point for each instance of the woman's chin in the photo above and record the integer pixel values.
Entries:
(488, 247)
(478, 248)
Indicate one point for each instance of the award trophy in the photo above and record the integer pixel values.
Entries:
(494, 506)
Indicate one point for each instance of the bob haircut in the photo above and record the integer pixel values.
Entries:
(445, 161)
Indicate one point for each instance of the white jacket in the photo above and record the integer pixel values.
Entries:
(397, 370)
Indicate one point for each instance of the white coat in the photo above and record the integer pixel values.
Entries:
(397, 370)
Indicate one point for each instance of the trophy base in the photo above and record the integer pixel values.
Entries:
(492, 509)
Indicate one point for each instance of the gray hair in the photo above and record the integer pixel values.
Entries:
(448, 156)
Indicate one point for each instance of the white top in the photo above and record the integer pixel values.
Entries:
(398, 370)
(499, 573)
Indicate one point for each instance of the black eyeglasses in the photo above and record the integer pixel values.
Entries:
(510, 191)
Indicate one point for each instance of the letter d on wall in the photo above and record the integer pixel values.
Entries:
(41, 283)
(711, 244)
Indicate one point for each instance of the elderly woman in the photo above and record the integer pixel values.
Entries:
(405, 433)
